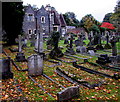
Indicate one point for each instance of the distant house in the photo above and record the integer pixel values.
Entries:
(76, 30)
(46, 18)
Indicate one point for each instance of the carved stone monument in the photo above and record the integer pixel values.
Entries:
(35, 65)
(70, 49)
(20, 55)
(39, 42)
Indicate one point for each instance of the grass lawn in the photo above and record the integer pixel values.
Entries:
(108, 92)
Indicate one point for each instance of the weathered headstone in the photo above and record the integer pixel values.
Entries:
(35, 65)
(91, 52)
(68, 93)
(6, 69)
(81, 49)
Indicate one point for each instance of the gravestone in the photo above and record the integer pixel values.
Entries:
(70, 49)
(81, 49)
(115, 59)
(35, 65)
(6, 69)
(20, 55)
(20, 43)
(77, 42)
(68, 93)
(103, 59)
(91, 52)
(113, 42)
(39, 42)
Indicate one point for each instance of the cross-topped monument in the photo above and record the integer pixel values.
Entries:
(20, 57)
(39, 41)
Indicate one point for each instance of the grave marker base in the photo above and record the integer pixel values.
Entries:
(20, 57)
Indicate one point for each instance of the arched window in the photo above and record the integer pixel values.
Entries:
(42, 19)
(29, 31)
(30, 17)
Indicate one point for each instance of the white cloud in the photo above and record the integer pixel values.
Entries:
(98, 8)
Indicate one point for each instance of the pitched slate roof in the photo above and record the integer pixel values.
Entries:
(56, 19)
(62, 21)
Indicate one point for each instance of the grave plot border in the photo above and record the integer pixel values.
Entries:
(19, 90)
(66, 61)
(14, 62)
(93, 71)
(59, 94)
(44, 75)
(18, 67)
(40, 86)
(104, 66)
(85, 59)
(57, 63)
(74, 81)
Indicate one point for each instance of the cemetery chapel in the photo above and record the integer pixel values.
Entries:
(46, 17)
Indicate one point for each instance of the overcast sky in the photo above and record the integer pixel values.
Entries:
(98, 8)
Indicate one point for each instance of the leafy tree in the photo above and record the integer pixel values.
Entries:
(89, 22)
(12, 18)
(71, 20)
(107, 17)
(95, 28)
(116, 17)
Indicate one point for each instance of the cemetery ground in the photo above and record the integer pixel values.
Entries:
(21, 87)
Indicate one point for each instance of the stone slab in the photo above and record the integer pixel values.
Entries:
(68, 93)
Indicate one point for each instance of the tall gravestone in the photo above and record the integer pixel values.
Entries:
(6, 68)
(39, 42)
(35, 65)
(113, 42)
(20, 55)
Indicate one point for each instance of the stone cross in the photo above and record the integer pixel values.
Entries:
(20, 43)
